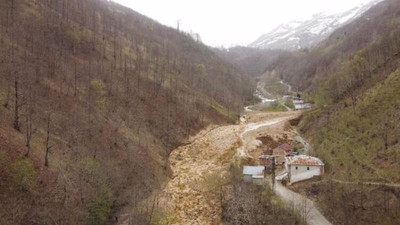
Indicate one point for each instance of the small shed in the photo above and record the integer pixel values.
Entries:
(258, 180)
(303, 167)
(250, 172)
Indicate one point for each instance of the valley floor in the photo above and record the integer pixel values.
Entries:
(205, 162)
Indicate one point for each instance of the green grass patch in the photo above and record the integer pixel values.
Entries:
(162, 217)
(274, 108)
(101, 204)
(100, 209)
(361, 141)
(276, 89)
(289, 104)
(223, 111)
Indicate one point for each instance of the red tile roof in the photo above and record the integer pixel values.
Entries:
(304, 160)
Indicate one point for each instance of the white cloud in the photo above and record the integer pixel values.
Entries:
(230, 22)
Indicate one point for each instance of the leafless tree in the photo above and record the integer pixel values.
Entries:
(29, 125)
(17, 105)
(48, 147)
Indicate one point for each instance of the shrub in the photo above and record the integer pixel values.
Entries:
(22, 175)
(284, 182)
(163, 218)
(72, 36)
(100, 209)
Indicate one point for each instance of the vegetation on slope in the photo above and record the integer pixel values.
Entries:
(363, 139)
(376, 30)
(102, 94)
(354, 81)
(251, 61)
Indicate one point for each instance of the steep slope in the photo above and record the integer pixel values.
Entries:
(300, 34)
(344, 74)
(353, 79)
(372, 36)
(103, 93)
(358, 89)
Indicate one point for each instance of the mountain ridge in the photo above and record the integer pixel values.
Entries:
(300, 34)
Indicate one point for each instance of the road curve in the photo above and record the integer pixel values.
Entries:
(304, 206)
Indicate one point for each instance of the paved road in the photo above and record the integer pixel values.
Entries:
(303, 205)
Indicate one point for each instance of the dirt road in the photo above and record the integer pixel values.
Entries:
(212, 154)
(304, 206)
(276, 126)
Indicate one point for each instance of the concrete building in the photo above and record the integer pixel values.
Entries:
(302, 106)
(298, 101)
(303, 167)
(253, 174)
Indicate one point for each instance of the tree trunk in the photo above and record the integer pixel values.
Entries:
(48, 147)
(7, 102)
(16, 111)
(28, 129)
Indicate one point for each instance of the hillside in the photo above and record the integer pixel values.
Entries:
(300, 34)
(251, 61)
(101, 95)
(344, 76)
(353, 79)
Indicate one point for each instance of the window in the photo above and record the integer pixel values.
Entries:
(308, 168)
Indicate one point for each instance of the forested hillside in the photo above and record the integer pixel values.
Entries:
(251, 61)
(353, 79)
(94, 97)
(374, 36)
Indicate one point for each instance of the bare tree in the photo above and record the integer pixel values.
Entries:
(7, 102)
(75, 80)
(48, 147)
(16, 108)
(28, 129)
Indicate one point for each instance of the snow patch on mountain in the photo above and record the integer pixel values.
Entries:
(307, 33)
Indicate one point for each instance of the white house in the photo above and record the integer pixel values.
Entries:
(303, 167)
(253, 174)
(302, 106)
(298, 101)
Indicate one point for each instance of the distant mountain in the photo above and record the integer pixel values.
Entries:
(302, 34)
(250, 61)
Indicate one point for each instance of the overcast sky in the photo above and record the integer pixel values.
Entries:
(233, 22)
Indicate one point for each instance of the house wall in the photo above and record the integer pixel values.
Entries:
(248, 178)
(258, 181)
(302, 173)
